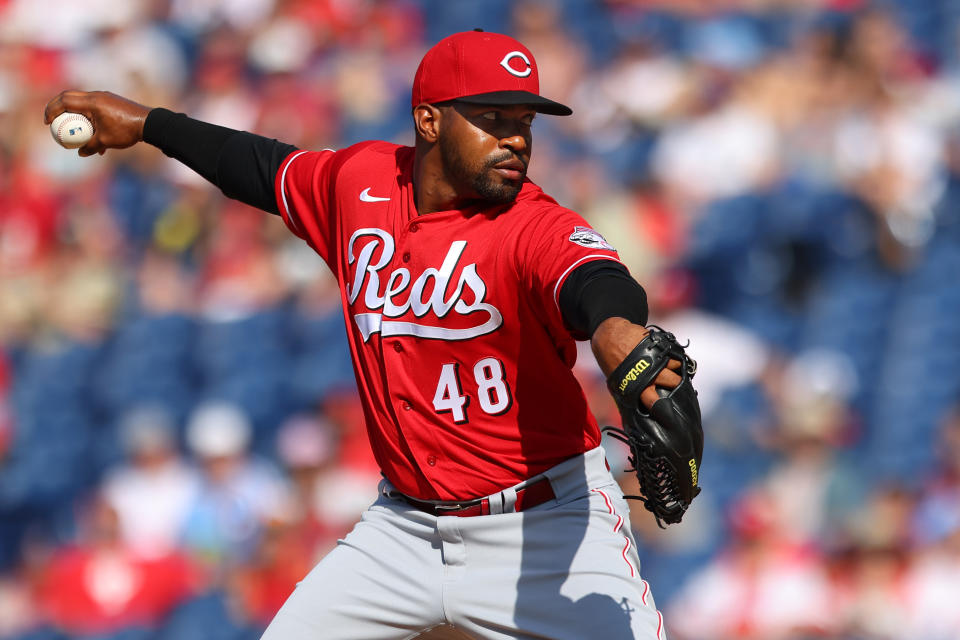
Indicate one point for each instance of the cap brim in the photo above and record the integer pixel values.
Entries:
(541, 104)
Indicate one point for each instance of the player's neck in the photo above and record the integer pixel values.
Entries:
(431, 188)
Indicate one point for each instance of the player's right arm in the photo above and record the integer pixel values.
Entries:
(243, 165)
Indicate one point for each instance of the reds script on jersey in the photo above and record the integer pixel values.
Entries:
(462, 358)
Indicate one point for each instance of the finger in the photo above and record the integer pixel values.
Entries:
(649, 396)
(72, 101)
(673, 364)
(77, 101)
(53, 109)
(92, 147)
(667, 378)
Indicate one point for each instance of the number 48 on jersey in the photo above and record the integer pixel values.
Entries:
(492, 391)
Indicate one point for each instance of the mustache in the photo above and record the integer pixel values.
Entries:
(506, 156)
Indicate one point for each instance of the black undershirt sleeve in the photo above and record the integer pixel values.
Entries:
(599, 290)
(243, 165)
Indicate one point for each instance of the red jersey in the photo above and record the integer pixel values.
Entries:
(461, 355)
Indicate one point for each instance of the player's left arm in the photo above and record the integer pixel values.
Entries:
(577, 274)
(650, 376)
(601, 300)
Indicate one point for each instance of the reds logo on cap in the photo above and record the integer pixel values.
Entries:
(481, 67)
(517, 54)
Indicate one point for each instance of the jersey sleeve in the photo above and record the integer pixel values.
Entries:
(304, 198)
(551, 247)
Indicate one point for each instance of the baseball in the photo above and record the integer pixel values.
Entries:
(71, 130)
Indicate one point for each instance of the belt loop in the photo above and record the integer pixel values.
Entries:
(509, 496)
(496, 503)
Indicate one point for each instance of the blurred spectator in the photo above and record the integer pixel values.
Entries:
(28, 220)
(53, 25)
(154, 489)
(814, 488)
(329, 493)
(727, 356)
(100, 585)
(240, 276)
(139, 58)
(870, 593)
(345, 489)
(18, 613)
(539, 25)
(205, 15)
(761, 586)
(932, 587)
(239, 494)
(725, 150)
(287, 549)
(870, 596)
(934, 584)
(938, 514)
(262, 584)
(308, 447)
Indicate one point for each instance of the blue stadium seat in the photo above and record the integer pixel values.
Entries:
(204, 618)
(727, 227)
(40, 634)
(150, 361)
(137, 200)
(849, 312)
(56, 409)
(449, 17)
(321, 357)
(919, 381)
(769, 318)
(131, 633)
(245, 361)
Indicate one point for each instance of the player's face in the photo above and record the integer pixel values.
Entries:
(486, 149)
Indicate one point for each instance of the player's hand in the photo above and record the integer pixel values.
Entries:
(666, 379)
(614, 339)
(117, 122)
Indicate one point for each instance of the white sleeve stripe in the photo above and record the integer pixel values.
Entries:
(563, 276)
(283, 189)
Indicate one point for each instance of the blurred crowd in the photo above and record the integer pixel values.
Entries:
(180, 437)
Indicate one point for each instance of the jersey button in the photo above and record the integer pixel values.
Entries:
(406, 256)
(397, 347)
(407, 406)
(432, 461)
(414, 228)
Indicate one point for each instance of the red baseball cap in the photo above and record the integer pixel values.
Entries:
(484, 68)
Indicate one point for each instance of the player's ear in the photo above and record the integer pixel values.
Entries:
(426, 120)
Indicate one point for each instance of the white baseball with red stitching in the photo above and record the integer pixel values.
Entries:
(71, 130)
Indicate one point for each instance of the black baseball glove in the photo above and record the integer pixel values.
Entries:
(666, 441)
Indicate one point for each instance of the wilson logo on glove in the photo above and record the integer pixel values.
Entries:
(631, 376)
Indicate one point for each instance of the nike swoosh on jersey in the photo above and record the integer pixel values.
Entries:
(366, 197)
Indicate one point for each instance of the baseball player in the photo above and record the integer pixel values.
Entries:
(464, 287)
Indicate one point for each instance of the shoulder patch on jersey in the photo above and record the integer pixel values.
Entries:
(587, 237)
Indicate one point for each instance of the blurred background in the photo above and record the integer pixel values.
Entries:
(180, 438)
